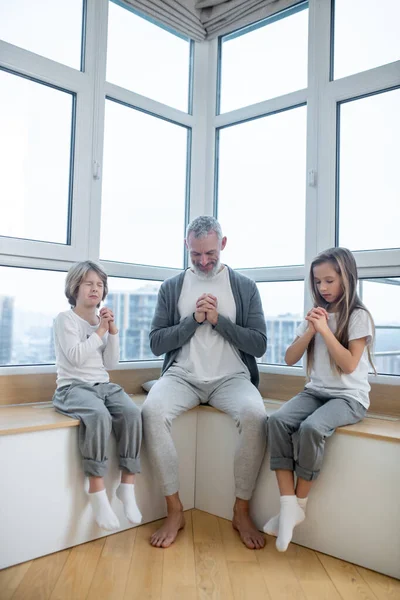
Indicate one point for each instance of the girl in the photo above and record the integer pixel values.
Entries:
(337, 335)
(86, 345)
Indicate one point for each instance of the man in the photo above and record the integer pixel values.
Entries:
(210, 325)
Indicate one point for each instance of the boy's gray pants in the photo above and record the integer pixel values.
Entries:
(315, 416)
(175, 393)
(100, 408)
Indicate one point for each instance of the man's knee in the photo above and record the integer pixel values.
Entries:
(252, 416)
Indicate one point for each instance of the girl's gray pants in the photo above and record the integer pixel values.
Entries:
(314, 416)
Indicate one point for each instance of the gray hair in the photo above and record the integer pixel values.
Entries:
(202, 226)
(75, 276)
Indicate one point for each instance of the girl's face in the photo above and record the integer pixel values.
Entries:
(90, 292)
(328, 282)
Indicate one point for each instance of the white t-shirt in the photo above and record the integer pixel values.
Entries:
(208, 356)
(80, 352)
(354, 385)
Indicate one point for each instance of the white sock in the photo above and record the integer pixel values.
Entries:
(291, 515)
(126, 493)
(103, 513)
(272, 526)
(302, 502)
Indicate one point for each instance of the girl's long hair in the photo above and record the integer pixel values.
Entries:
(342, 260)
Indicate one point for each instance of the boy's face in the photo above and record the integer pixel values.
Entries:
(91, 290)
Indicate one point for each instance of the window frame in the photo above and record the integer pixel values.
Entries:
(322, 97)
(91, 89)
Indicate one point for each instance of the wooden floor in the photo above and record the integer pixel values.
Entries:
(207, 561)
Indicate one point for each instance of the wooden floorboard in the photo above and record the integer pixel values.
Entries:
(78, 572)
(146, 569)
(110, 578)
(207, 561)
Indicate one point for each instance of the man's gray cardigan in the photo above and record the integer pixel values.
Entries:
(168, 333)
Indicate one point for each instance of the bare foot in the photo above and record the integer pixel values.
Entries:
(248, 532)
(166, 535)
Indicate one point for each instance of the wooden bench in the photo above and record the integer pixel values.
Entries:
(353, 512)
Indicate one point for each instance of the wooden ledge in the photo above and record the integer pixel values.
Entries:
(42, 416)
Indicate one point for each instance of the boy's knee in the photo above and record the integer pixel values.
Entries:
(102, 419)
(133, 413)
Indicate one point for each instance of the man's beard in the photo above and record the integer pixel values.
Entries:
(207, 274)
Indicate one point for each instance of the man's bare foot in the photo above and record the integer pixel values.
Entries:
(249, 534)
(166, 535)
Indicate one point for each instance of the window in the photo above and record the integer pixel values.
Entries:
(283, 310)
(29, 302)
(133, 302)
(147, 59)
(369, 157)
(366, 35)
(382, 298)
(51, 29)
(35, 159)
(144, 188)
(265, 60)
(261, 189)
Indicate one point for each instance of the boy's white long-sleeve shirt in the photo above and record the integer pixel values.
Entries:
(80, 353)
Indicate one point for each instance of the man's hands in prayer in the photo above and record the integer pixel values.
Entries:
(206, 309)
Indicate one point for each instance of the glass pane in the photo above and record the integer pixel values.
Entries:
(266, 61)
(144, 188)
(29, 301)
(133, 302)
(35, 151)
(368, 172)
(51, 28)
(147, 59)
(261, 190)
(283, 303)
(382, 298)
(366, 35)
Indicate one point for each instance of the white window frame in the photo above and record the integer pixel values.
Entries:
(322, 97)
(91, 90)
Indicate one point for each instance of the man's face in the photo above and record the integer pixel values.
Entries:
(205, 254)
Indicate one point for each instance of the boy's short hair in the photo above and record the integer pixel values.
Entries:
(77, 273)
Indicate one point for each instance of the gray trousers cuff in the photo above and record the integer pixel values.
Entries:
(306, 473)
(243, 494)
(94, 468)
(170, 488)
(131, 465)
(287, 464)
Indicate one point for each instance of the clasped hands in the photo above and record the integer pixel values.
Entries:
(317, 319)
(206, 309)
(107, 322)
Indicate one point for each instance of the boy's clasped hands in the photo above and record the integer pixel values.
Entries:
(107, 322)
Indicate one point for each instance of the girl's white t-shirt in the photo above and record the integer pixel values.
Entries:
(207, 355)
(354, 385)
(80, 353)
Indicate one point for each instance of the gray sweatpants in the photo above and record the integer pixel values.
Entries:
(315, 416)
(99, 408)
(175, 393)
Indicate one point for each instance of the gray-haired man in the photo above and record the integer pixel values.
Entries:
(210, 325)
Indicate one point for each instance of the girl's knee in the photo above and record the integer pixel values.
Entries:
(275, 421)
(309, 428)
